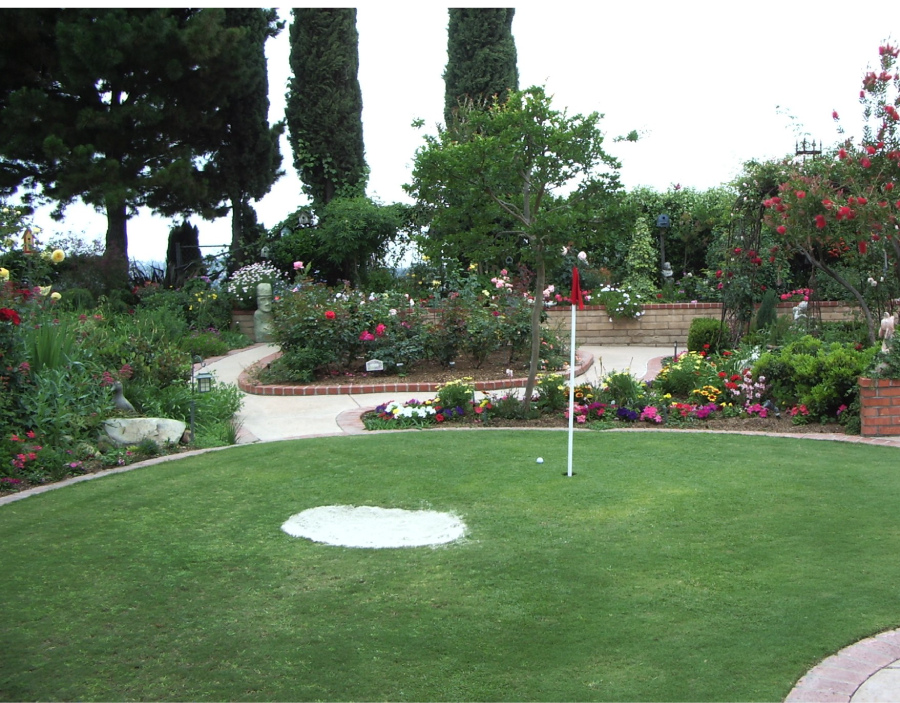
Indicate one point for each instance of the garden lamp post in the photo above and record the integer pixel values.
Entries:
(201, 383)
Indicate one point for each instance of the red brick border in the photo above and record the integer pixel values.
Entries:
(880, 407)
(246, 385)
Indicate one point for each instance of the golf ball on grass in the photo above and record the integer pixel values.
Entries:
(540, 460)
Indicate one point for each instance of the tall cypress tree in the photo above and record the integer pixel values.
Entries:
(481, 56)
(324, 104)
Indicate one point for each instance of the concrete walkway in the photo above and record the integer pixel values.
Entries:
(268, 418)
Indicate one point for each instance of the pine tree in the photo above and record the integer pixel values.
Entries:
(249, 158)
(116, 109)
(481, 57)
(324, 104)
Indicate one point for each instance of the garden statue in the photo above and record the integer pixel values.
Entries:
(262, 318)
(800, 310)
(667, 272)
(886, 333)
(119, 399)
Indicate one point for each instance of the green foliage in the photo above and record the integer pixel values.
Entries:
(642, 262)
(48, 344)
(105, 93)
(481, 56)
(811, 373)
(249, 160)
(352, 236)
(552, 392)
(63, 402)
(324, 104)
(456, 394)
(767, 314)
(706, 335)
(682, 376)
(515, 160)
(78, 300)
(623, 389)
(885, 364)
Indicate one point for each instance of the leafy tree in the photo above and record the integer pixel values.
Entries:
(642, 262)
(116, 108)
(351, 235)
(844, 209)
(481, 57)
(324, 104)
(520, 154)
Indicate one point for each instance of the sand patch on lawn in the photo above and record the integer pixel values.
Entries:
(375, 528)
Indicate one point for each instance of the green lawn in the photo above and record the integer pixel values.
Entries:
(671, 567)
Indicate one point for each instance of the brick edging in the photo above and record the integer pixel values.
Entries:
(838, 677)
(247, 386)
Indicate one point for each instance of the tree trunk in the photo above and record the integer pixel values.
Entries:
(536, 313)
(116, 253)
(870, 325)
(237, 215)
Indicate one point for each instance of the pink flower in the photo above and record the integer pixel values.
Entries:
(834, 115)
(842, 154)
(298, 266)
(820, 221)
(865, 162)
(379, 330)
(800, 194)
(366, 336)
(781, 229)
(581, 419)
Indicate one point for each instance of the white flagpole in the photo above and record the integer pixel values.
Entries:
(571, 389)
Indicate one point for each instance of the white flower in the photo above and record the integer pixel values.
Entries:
(392, 311)
(582, 256)
(565, 250)
(872, 282)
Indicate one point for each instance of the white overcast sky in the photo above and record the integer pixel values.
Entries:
(708, 84)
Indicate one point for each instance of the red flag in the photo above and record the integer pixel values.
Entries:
(577, 299)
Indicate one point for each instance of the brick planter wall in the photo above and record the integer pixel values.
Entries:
(879, 406)
(660, 325)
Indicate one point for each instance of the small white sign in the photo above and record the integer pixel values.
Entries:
(375, 365)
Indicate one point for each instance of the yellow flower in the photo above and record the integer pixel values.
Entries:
(58, 256)
(55, 296)
(45, 290)
(473, 266)
(4, 274)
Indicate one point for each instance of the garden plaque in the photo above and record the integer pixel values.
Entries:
(375, 365)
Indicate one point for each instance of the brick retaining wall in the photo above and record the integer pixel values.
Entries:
(879, 406)
(660, 325)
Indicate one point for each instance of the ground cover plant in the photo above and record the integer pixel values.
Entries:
(642, 577)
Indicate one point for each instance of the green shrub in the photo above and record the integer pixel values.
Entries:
(767, 314)
(456, 394)
(682, 376)
(553, 395)
(77, 300)
(706, 335)
(808, 372)
(623, 389)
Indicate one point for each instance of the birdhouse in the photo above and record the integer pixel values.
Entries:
(663, 222)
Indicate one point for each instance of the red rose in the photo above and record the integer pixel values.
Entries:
(800, 194)
(7, 315)
(781, 230)
(329, 315)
